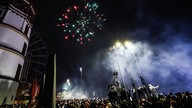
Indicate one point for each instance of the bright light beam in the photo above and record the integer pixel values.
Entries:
(118, 45)
(130, 46)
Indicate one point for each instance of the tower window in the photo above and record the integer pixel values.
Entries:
(21, 5)
(18, 71)
(11, 97)
(26, 29)
(24, 49)
(1, 12)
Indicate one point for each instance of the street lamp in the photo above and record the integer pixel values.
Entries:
(123, 46)
(129, 45)
(118, 45)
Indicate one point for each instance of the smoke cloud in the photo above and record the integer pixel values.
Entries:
(162, 57)
(166, 65)
(75, 93)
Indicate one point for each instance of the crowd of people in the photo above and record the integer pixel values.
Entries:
(171, 100)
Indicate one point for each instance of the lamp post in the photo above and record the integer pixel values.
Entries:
(114, 47)
(119, 46)
(129, 46)
(123, 46)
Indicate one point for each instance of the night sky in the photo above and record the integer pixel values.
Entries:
(162, 25)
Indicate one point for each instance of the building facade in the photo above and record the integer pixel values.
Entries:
(16, 17)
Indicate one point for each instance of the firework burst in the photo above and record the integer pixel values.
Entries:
(80, 21)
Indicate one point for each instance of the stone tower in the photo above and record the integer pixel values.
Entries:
(16, 17)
